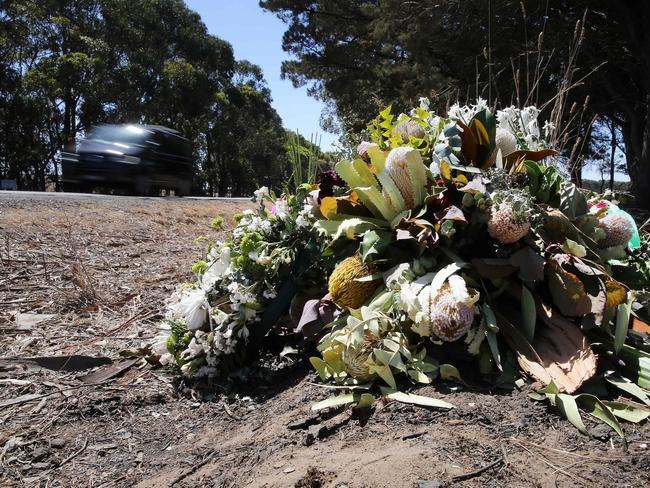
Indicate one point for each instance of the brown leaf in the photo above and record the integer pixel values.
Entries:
(568, 292)
(560, 353)
(108, 372)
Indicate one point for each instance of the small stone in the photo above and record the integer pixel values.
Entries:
(308, 439)
(428, 484)
(39, 454)
(57, 443)
(40, 465)
(288, 470)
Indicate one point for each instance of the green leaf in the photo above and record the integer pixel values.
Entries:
(449, 372)
(334, 402)
(568, 406)
(365, 400)
(599, 410)
(415, 399)
(628, 387)
(622, 322)
(373, 243)
(494, 348)
(384, 373)
(627, 412)
(528, 313)
(572, 247)
(321, 367)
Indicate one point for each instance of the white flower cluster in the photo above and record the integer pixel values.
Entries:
(523, 124)
(465, 113)
(209, 319)
(252, 222)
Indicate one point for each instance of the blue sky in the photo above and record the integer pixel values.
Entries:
(256, 35)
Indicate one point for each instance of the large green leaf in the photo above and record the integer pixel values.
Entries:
(568, 406)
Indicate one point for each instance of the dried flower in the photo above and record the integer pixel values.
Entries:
(448, 311)
(344, 288)
(618, 230)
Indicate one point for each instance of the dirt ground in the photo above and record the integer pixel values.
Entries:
(90, 277)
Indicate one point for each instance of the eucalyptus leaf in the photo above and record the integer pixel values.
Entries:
(622, 323)
(528, 313)
(628, 412)
(413, 399)
(568, 406)
(336, 401)
(628, 387)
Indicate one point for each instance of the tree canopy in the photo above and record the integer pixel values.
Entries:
(67, 65)
(362, 55)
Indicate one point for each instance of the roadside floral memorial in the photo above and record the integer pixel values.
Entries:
(447, 241)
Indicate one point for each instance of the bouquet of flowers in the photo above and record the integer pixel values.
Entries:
(447, 240)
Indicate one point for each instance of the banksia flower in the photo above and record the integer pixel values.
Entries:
(618, 230)
(506, 141)
(408, 129)
(505, 225)
(449, 311)
(355, 358)
(345, 291)
(406, 169)
(362, 148)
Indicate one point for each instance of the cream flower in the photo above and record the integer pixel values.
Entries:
(506, 227)
(448, 311)
(618, 230)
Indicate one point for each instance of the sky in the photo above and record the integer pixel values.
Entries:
(256, 36)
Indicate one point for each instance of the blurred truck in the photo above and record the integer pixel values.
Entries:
(138, 159)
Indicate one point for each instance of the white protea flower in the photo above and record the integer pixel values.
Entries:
(505, 141)
(408, 129)
(364, 146)
(192, 308)
(448, 311)
(617, 228)
(405, 167)
(506, 226)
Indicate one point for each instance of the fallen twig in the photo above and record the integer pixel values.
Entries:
(477, 472)
(194, 468)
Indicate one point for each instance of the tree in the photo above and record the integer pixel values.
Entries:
(67, 65)
(360, 55)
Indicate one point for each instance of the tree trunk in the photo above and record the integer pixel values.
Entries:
(636, 135)
(612, 157)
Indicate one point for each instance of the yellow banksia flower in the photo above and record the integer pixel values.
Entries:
(345, 291)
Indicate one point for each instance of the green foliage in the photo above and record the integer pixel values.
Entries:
(67, 65)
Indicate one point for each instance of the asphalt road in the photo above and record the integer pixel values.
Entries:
(43, 195)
